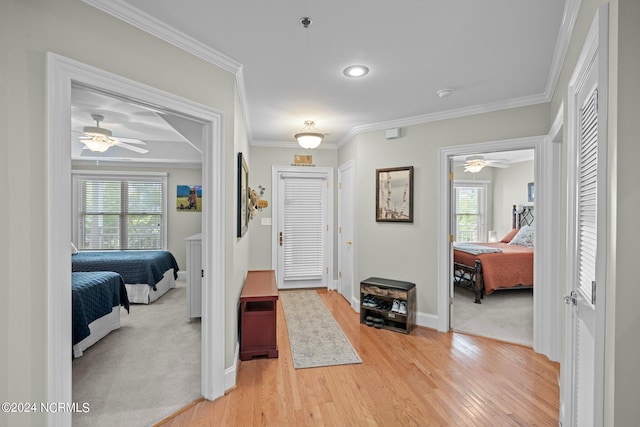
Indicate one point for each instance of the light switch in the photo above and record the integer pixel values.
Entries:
(266, 221)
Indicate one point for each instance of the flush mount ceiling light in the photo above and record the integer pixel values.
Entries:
(309, 137)
(474, 164)
(356, 71)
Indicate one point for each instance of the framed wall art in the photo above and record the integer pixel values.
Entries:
(394, 194)
(243, 196)
(189, 198)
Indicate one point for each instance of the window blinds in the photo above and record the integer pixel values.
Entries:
(120, 213)
(467, 207)
(587, 195)
(303, 228)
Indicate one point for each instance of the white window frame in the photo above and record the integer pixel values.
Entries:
(120, 175)
(483, 208)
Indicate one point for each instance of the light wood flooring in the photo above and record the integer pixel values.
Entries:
(426, 378)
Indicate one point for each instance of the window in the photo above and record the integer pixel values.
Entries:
(470, 211)
(117, 211)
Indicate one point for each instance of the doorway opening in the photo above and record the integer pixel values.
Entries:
(63, 73)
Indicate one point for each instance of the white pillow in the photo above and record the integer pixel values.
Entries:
(525, 237)
(74, 250)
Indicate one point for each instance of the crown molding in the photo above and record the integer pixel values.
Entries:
(145, 22)
(524, 101)
(569, 17)
(291, 144)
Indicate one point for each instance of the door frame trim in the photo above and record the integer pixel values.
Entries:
(327, 174)
(596, 45)
(352, 218)
(545, 191)
(62, 72)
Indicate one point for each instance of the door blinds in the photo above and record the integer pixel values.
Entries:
(587, 195)
(303, 228)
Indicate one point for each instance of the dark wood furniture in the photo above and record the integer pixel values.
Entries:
(258, 315)
(387, 290)
(470, 276)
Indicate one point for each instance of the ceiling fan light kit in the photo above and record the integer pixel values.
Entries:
(309, 137)
(474, 164)
(99, 139)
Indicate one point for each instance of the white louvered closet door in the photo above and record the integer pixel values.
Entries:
(303, 227)
(583, 404)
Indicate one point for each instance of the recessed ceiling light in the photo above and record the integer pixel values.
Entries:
(443, 93)
(356, 71)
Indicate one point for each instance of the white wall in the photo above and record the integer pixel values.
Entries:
(180, 224)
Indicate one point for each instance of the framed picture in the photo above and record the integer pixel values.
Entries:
(189, 198)
(530, 192)
(394, 194)
(243, 196)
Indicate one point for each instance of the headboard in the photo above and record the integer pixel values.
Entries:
(521, 215)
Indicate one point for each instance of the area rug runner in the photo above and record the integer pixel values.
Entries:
(314, 335)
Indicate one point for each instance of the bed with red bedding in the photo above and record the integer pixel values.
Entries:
(511, 267)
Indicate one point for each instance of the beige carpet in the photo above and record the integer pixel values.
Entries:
(503, 315)
(144, 371)
(315, 337)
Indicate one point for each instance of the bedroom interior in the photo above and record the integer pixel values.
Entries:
(478, 110)
(153, 280)
(503, 177)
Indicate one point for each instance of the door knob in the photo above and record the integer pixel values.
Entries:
(348, 242)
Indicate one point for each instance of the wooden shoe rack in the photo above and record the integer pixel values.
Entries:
(387, 290)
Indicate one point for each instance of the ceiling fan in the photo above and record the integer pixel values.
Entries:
(99, 139)
(475, 164)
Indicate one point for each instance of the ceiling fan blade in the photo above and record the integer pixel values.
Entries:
(131, 147)
(130, 140)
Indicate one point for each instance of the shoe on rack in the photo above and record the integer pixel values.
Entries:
(369, 321)
(378, 322)
(403, 307)
(396, 306)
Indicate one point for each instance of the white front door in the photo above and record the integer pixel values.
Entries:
(582, 389)
(346, 217)
(302, 208)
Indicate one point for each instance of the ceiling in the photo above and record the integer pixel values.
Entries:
(492, 54)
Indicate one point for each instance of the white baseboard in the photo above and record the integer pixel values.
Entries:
(182, 275)
(427, 320)
(231, 372)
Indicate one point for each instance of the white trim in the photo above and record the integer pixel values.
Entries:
(350, 164)
(445, 115)
(61, 74)
(323, 172)
(569, 16)
(427, 320)
(594, 49)
(131, 15)
(145, 22)
(291, 144)
(231, 373)
(445, 252)
(548, 306)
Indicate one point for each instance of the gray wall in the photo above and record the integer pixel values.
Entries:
(408, 251)
(260, 172)
(510, 188)
(28, 30)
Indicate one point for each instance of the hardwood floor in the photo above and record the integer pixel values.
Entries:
(427, 378)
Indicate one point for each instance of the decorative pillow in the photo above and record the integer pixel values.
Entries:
(74, 250)
(507, 238)
(524, 237)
